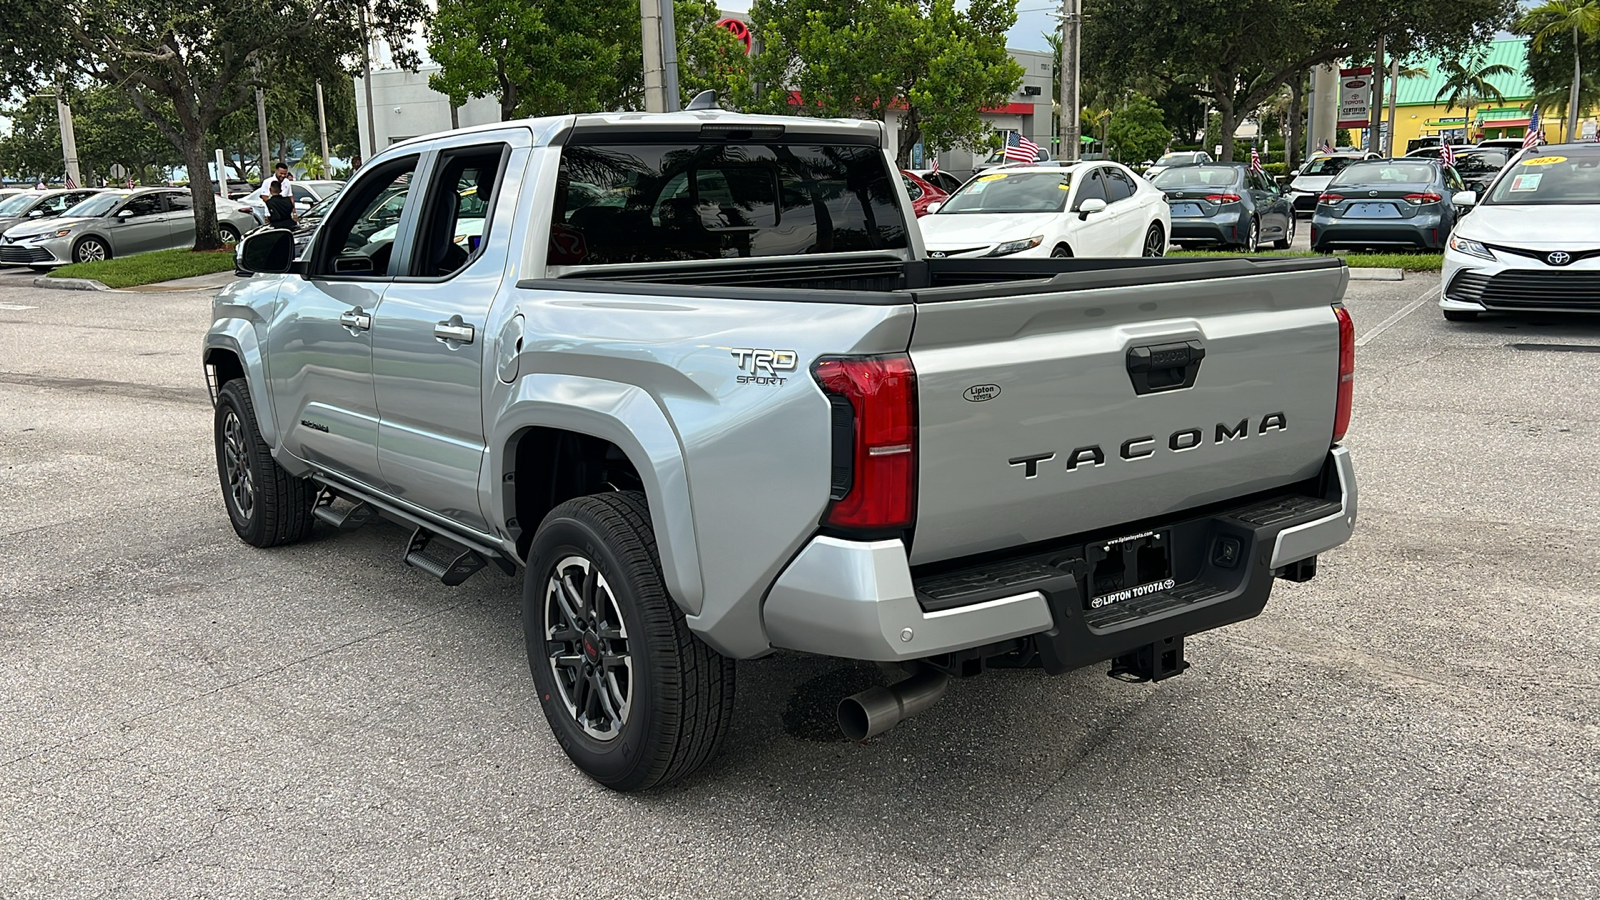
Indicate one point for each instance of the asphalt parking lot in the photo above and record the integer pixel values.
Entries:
(185, 716)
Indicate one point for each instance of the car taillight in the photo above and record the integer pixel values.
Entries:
(874, 401)
(1425, 197)
(1222, 198)
(1331, 198)
(1347, 373)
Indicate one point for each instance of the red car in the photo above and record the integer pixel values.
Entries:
(922, 193)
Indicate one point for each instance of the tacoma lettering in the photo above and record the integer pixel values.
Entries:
(1143, 447)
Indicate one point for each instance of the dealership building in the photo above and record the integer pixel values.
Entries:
(403, 107)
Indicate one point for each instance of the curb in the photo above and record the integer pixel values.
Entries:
(1377, 274)
(68, 284)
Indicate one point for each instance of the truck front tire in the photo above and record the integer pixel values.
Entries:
(633, 697)
(266, 504)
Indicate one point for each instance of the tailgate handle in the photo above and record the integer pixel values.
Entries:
(1164, 367)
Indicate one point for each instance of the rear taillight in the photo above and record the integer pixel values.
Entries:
(1425, 197)
(1347, 373)
(1331, 198)
(874, 400)
(1222, 198)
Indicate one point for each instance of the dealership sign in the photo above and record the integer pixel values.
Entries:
(1355, 89)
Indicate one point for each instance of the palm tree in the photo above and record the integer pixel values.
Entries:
(1556, 18)
(1466, 83)
(1558, 100)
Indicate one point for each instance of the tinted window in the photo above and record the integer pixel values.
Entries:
(1199, 176)
(1118, 187)
(180, 202)
(1481, 162)
(1549, 176)
(912, 189)
(658, 203)
(460, 203)
(1010, 192)
(144, 205)
(1179, 159)
(1387, 173)
(1093, 188)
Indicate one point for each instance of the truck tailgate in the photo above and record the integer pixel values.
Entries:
(1055, 408)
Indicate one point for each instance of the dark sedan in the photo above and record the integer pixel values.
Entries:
(1478, 168)
(1388, 202)
(1226, 203)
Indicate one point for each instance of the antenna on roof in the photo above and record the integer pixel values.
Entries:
(703, 100)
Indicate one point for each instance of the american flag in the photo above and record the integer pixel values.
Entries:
(1327, 146)
(1447, 154)
(935, 164)
(1020, 149)
(1255, 162)
(1535, 135)
(70, 182)
(130, 182)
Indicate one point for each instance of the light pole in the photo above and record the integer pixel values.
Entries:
(1071, 17)
(69, 140)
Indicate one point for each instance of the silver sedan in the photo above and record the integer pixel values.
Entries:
(117, 223)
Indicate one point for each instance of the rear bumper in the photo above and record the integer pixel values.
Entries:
(861, 600)
(1231, 228)
(1428, 231)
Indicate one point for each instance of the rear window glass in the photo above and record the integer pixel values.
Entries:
(1327, 165)
(630, 204)
(1387, 173)
(1208, 176)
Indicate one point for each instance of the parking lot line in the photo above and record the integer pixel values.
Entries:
(1386, 324)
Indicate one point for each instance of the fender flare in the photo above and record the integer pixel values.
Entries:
(238, 336)
(630, 418)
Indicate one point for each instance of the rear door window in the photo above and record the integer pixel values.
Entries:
(662, 203)
(1118, 187)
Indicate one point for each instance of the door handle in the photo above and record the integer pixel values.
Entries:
(454, 330)
(356, 319)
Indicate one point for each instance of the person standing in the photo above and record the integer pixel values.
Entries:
(280, 209)
(282, 179)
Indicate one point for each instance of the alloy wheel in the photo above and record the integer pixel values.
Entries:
(91, 251)
(1253, 242)
(236, 462)
(586, 642)
(1153, 245)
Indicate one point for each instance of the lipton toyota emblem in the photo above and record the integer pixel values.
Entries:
(1559, 258)
(1372, 193)
(936, 254)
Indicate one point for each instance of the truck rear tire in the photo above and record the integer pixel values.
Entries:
(633, 697)
(266, 504)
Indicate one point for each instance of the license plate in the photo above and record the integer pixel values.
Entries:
(1129, 568)
(1191, 210)
(1372, 211)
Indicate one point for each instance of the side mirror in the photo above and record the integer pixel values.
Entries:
(934, 207)
(270, 251)
(125, 214)
(1465, 199)
(36, 214)
(1090, 207)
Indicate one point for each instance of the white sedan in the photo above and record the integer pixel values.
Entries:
(1085, 209)
(1532, 242)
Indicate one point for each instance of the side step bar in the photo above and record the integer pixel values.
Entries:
(449, 557)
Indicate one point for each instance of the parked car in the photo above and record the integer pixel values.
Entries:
(923, 193)
(765, 420)
(33, 206)
(116, 223)
(941, 179)
(1479, 168)
(1532, 244)
(1087, 209)
(1513, 144)
(1182, 158)
(1313, 177)
(1405, 202)
(306, 194)
(1228, 204)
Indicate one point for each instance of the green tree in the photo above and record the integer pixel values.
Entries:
(110, 131)
(710, 58)
(1236, 53)
(1579, 19)
(537, 57)
(932, 64)
(1467, 84)
(184, 64)
(32, 149)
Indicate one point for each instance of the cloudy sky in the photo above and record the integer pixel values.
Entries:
(1033, 19)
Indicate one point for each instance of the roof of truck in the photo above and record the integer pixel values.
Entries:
(547, 129)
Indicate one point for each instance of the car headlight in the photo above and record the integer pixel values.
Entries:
(1470, 248)
(1010, 247)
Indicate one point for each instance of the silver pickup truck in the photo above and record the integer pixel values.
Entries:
(696, 377)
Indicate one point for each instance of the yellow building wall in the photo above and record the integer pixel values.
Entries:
(1411, 123)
